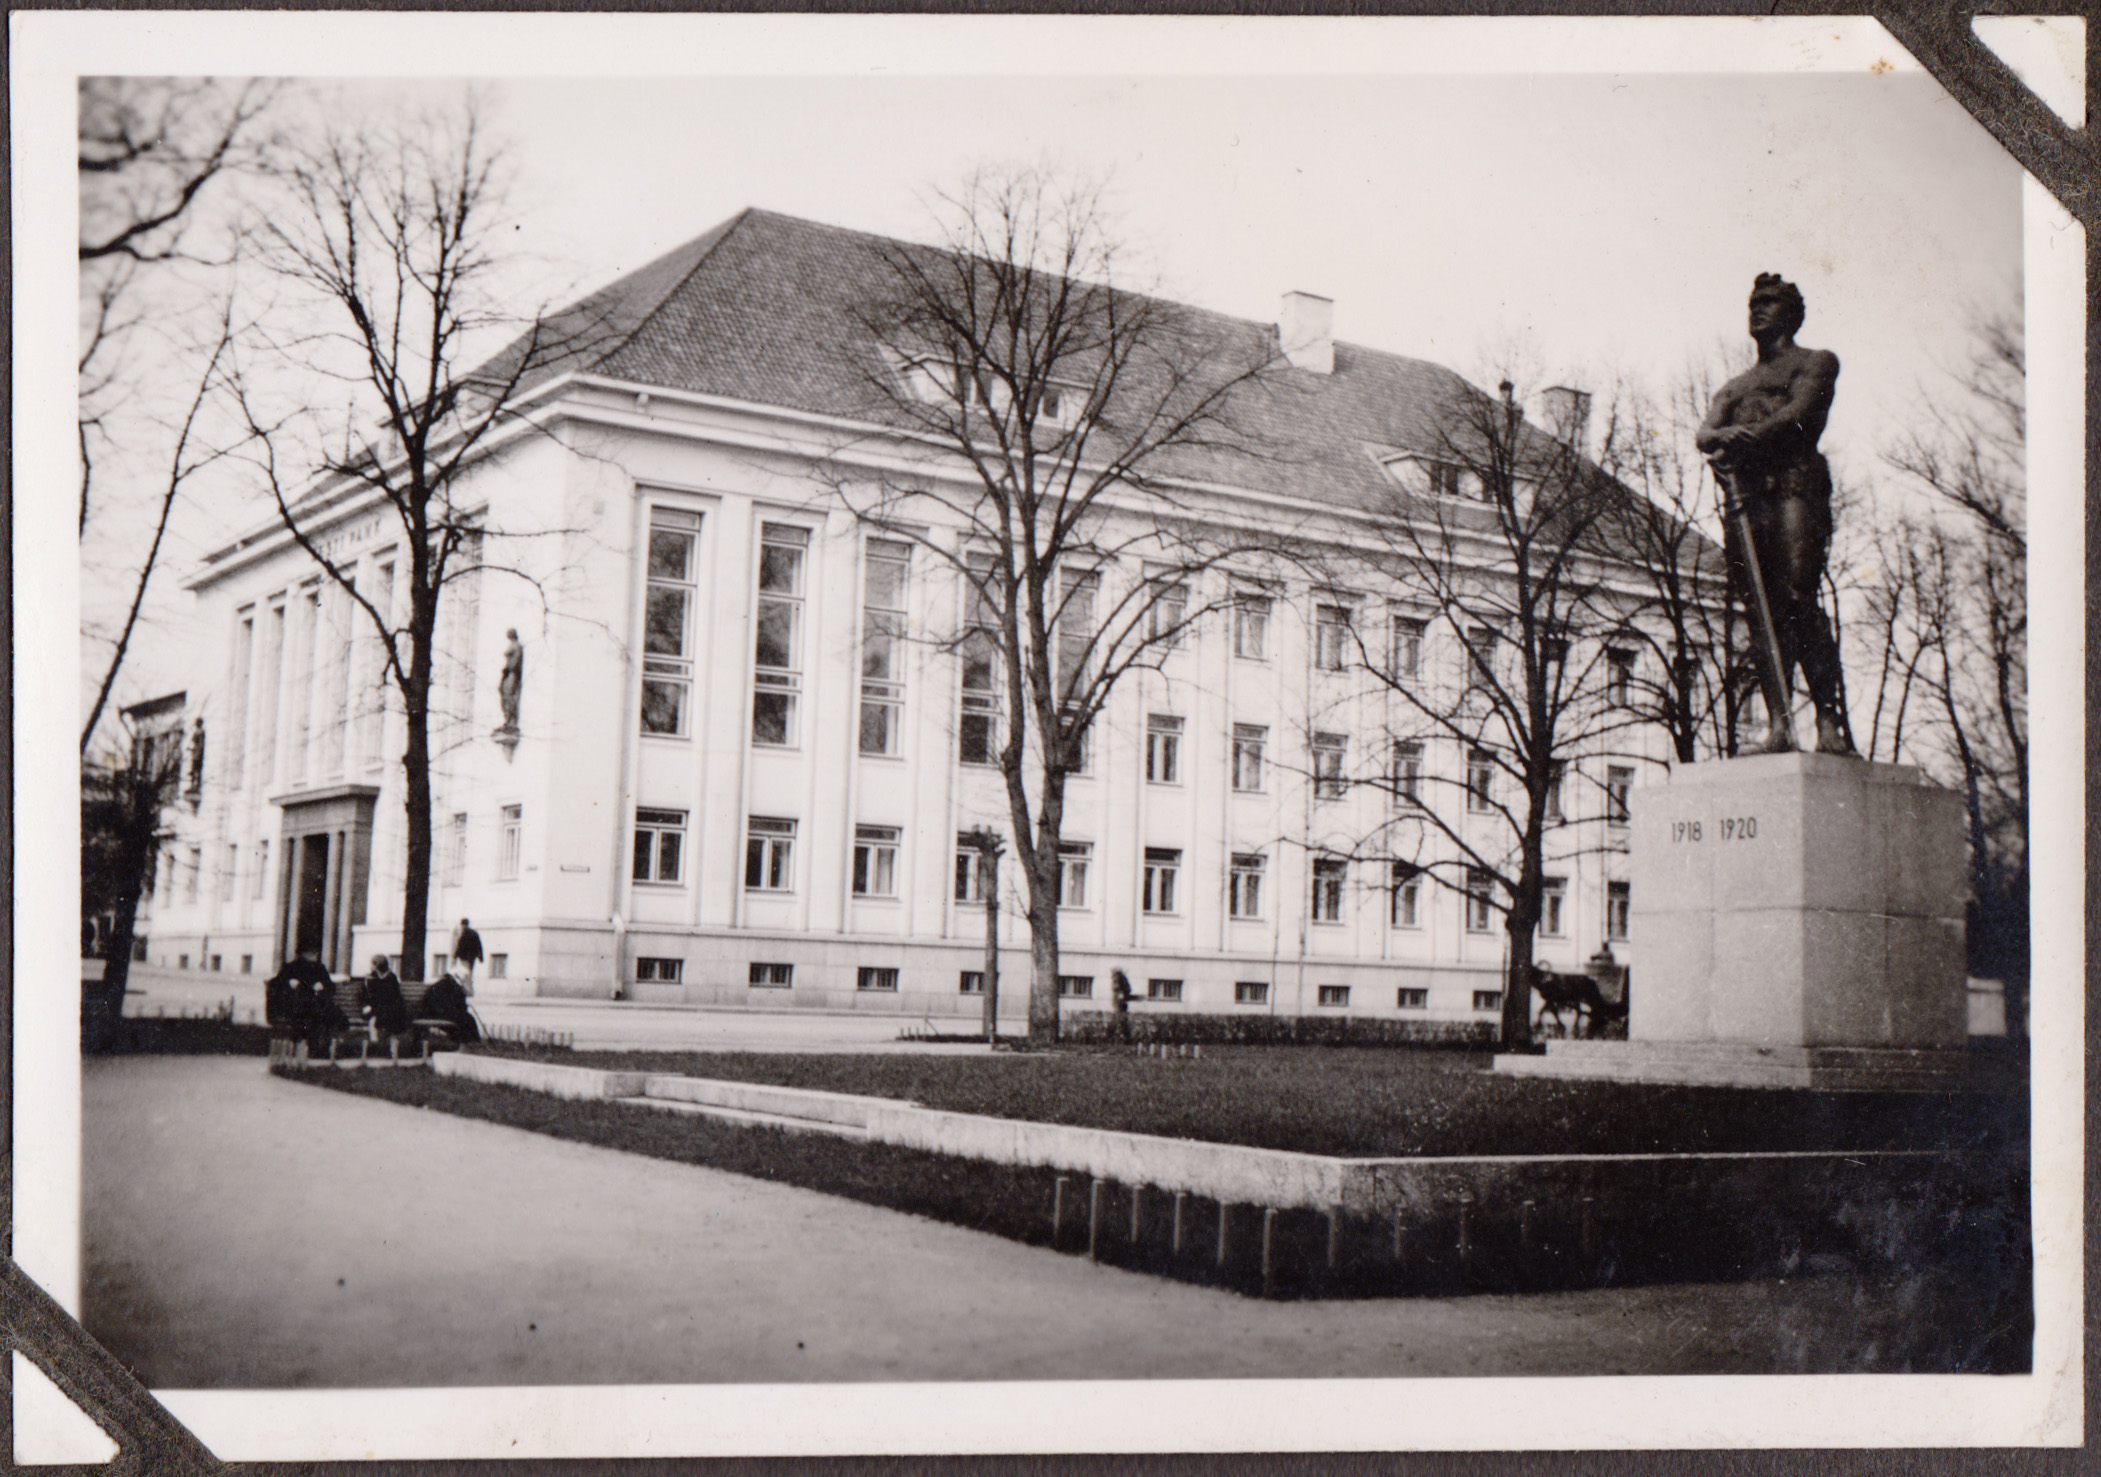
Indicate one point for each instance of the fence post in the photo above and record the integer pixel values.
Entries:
(1094, 1219)
(1269, 1251)
(1334, 1237)
(1137, 1213)
(1224, 1220)
(1058, 1209)
(1181, 1218)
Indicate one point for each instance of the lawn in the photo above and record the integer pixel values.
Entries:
(1372, 1101)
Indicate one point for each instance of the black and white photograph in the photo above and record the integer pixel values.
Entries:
(825, 735)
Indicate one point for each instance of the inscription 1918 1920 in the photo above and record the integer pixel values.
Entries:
(1728, 828)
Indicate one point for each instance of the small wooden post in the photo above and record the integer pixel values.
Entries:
(1058, 1209)
(1269, 1251)
(1181, 1221)
(1137, 1213)
(1094, 1220)
(1225, 1219)
(1334, 1237)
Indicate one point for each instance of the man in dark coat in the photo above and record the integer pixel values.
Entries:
(302, 997)
(383, 1008)
(466, 949)
(446, 1001)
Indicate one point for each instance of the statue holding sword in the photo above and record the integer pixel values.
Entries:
(1760, 435)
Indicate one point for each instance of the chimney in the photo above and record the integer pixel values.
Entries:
(1306, 331)
(1567, 415)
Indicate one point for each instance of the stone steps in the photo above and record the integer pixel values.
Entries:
(796, 1122)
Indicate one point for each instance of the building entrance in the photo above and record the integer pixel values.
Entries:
(327, 851)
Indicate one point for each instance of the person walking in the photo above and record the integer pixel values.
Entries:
(466, 952)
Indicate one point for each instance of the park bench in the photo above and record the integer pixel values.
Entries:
(423, 1034)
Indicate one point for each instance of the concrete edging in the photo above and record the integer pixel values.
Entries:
(575, 1083)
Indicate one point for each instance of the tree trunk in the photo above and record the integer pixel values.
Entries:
(988, 880)
(1043, 948)
(1517, 986)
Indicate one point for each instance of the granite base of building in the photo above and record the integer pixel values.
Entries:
(1739, 1064)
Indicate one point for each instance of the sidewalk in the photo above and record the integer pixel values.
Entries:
(245, 1232)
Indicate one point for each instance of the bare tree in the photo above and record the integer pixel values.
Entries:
(390, 252)
(122, 798)
(1502, 536)
(1958, 573)
(1050, 409)
(150, 150)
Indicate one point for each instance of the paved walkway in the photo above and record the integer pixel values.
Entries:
(246, 1232)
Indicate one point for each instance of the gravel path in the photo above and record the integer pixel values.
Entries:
(246, 1232)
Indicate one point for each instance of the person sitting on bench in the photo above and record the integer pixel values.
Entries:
(385, 1012)
(446, 1001)
(301, 998)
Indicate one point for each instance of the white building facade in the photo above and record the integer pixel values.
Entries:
(748, 744)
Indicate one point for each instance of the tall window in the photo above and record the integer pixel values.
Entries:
(456, 852)
(1478, 892)
(1244, 885)
(1480, 779)
(1170, 608)
(260, 882)
(1073, 857)
(1163, 749)
(970, 870)
(1619, 677)
(660, 845)
(1408, 772)
(777, 659)
(1331, 637)
(875, 861)
(1619, 783)
(1329, 874)
(1481, 656)
(1251, 627)
(1329, 750)
(191, 874)
(1557, 773)
(510, 843)
(1553, 907)
(243, 657)
(1163, 868)
(769, 854)
(1080, 754)
(977, 732)
(372, 715)
(1445, 480)
(269, 685)
(1075, 631)
(882, 655)
(667, 623)
(1619, 899)
(1407, 658)
(1407, 895)
(226, 872)
(1248, 742)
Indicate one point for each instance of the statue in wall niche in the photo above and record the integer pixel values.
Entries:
(1760, 435)
(197, 757)
(512, 681)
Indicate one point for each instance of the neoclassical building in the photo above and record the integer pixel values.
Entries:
(746, 747)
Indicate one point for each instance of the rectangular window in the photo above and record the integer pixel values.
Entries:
(977, 732)
(1557, 774)
(1619, 783)
(1076, 986)
(1163, 989)
(1488, 999)
(499, 966)
(1080, 753)
(1244, 885)
(660, 845)
(1406, 658)
(1553, 907)
(1407, 778)
(659, 970)
(1445, 479)
(1333, 995)
(226, 873)
(886, 565)
(970, 982)
(1251, 627)
(970, 870)
(1329, 874)
(875, 861)
(1407, 895)
(511, 843)
(1480, 779)
(1619, 677)
(1075, 633)
(1250, 992)
(437, 965)
(1329, 750)
(1407, 999)
(247, 964)
(1167, 614)
(1248, 742)
(769, 854)
(777, 651)
(1480, 656)
(1163, 749)
(1478, 910)
(456, 851)
(764, 976)
(668, 641)
(871, 977)
(243, 655)
(1163, 866)
(1073, 857)
(216, 960)
(260, 882)
(1331, 637)
(1619, 899)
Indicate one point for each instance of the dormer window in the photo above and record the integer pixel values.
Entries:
(1429, 477)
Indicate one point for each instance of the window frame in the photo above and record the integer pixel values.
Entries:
(884, 693)
(1250, 739)
(1163, 746)
(510, 849)
(780, 683)
(1619, 910)
(769, 851)
(1244, 875)
(1553, 907)
(1619, 788)
(1329, 876)
(1405, 883)
(1331, 997)
(1480, 781)
(1074, 860)
(1252, 610)
(1332, 624)
(769, 974)
(1411, 997)
(1405, 775)
(1075, 987)
(875, 862)
(1164, 989)
(1161, 875)
(670, 672)
(1330, 753)
(660, 825)
(1251, 992)
(875, 979)
(1480, 903)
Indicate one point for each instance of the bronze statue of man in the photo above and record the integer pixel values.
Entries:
(1761, 435)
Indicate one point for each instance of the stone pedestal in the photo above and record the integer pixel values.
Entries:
(1797, 920)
